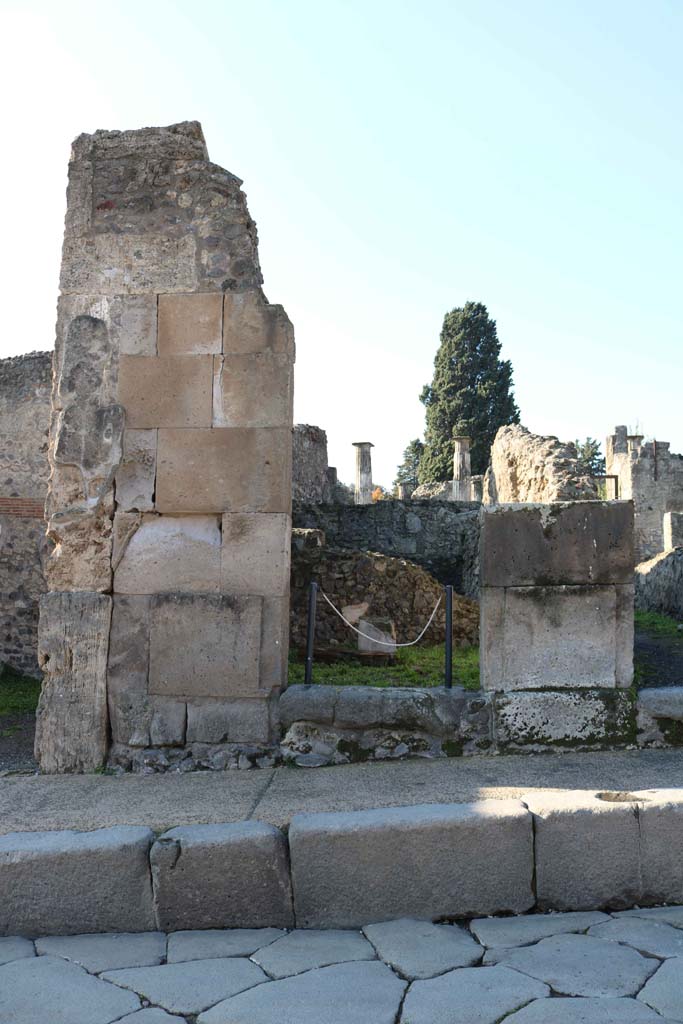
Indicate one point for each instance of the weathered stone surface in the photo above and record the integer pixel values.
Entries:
(579, 965)
(71, 721)
(218, 876)
(308, 703)
(587, 850)
(522, 931)
(664, 992)
(672, 528)
(136, 475)
(15, 948)
(586, 542)
(527, 467)
(212, 943)
(133, 324)
(171, 553)
(666, 915)
(166, 391)
(540, 637)
(204, 645)
(420, 949)
(137, 264)
(234, 721)
(224, 470)
(473, 995)
(419, 861)
(251, 325)
(190, 324)
(661, 835)
(168, 724)
(130, 710)
(378, 636)
(189, 987)
(662, 702)
(574, 719)
(151, 1015)
(106, 952)
(303, 950)
(255, 553)
(650, 937)
(252, 390)
(311, 477)
(341, 994)
(33, 990)
(71, 882)
(584, 1011)
(659, 584)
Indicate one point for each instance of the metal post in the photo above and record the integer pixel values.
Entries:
(449, 638)
(310, 633)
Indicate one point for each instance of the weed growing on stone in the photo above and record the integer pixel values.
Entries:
(414, 666)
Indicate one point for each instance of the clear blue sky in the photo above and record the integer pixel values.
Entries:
(399, 158)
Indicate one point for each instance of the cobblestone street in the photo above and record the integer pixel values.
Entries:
(577, 968)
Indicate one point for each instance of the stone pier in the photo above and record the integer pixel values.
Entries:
(164, 633)
(363, 489)
(462, 469)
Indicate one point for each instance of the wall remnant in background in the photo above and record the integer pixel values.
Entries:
(526, 467)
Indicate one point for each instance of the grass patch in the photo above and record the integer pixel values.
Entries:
(414, 666)
(662, 625)
(18, 694)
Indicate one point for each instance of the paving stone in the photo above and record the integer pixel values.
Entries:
(14, 948)
(303, 950)
(216, 942)
(353, 993)
(46, 989)
(579, 965)
(522, 931)
(420, 949)
(107, 952)
(664, 991)
(669, 915)
(471, 995)
(584, 1011)
(189, 987)
(151, 1015)
(653, 937)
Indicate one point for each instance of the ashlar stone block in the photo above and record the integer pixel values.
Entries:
(255, 553)
(171, 553)
(250, 324)
(166, 391)
(130, 709)
(204, 645)
(136, 475)
(252, 390)
(224, 470)
(134, 324)
(235, 721)
(190, 324)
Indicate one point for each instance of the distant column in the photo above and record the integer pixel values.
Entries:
(404, 492)
(363, 494)
(462, 470)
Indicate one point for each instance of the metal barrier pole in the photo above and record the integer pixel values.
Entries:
(449, 638)
(310, 633)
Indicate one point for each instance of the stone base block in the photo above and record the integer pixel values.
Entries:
(67, 883)
(661, 842)
(570, 719)
(222, 876)
(660, 717)
(425, 861)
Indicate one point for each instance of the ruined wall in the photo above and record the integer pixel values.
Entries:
(25, 383)
(311, 478)
(659, 584)
(527, 467)
(170, 457)
(652, 477)
(441, 536)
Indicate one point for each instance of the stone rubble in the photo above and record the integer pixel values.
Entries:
(576, 968)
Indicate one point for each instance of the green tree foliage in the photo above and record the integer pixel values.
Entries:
(591, 459)
(407, 472)
(470, 394)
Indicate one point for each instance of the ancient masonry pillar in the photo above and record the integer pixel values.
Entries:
(404, 492)
(164, 633)
(462, 470)
(363, 492)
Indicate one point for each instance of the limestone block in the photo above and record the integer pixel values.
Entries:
(235, 721)
(308, 704)
(224, 470)
(190, 324)
(673, 530)
(253, 390)
(166, 391)
(250, 325)
(72, 882)
(274, 643)
(661, 839)
(204, 645)
(133, 324)
(113, 264)
(379, 636)
(222, 876)
(167, 727)
(425, 861)
(583, 719)
(255, 553)
(80, 559)
(130, 710)
(624, 634)
(662, 702)
(539, 637)
(587, 850)
(71, 721)
(572, 542)
(136, 475)
(171, 553)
